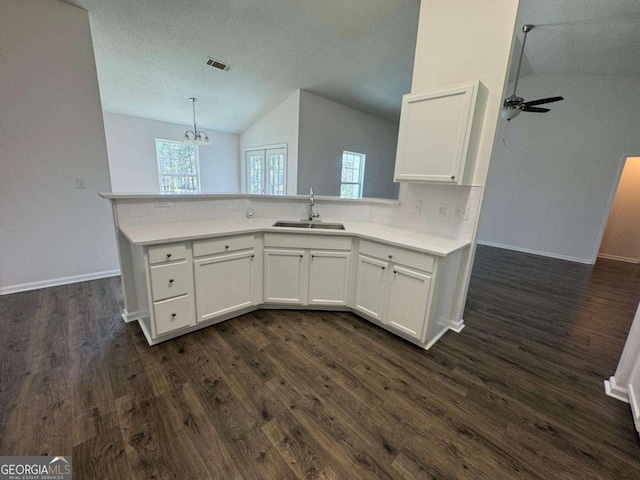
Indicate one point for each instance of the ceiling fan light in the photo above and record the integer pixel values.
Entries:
(510, 113)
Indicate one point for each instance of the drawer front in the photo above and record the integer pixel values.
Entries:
(315, 241)
(167, 253)
(222, 245)
(420, 261)
(169, 280)
(173, 314)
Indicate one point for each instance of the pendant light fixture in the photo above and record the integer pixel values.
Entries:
(195, 136)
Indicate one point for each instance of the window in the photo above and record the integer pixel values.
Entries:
(266, 171)
(352, 175)
(178, 170)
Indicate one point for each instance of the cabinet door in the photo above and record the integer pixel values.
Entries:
(408, 299)
(284, 275)
(329, 274)
(223, 284)
(371, 287)
(434, 135)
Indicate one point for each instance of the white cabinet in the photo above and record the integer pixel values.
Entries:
(223, 284)
(307, 269)
(393, 287)
(434, 136)
(225, 272)
(371, 287)
(329, 274)
(408, 301)
(285, 272)
(169, 289)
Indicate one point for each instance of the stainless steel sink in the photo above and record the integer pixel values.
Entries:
(328, 226)
(306, 224)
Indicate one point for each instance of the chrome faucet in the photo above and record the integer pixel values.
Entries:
(312, 214)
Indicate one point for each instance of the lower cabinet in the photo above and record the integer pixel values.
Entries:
(393, 287)
(329, 275)
(223, 284)
(408, 301)
(371, 287)
(284, 276)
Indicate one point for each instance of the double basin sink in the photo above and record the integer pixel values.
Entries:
(308, 224)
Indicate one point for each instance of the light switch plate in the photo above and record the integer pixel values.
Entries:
(81, 183)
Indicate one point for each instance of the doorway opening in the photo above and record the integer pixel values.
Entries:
(621, 236)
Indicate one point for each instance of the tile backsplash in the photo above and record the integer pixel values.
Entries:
(417, 210)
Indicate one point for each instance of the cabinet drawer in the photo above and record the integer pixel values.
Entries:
(222, 245)
(416, 260)
(170, 315)
(169, 280)
(167, 253)
(325, 242)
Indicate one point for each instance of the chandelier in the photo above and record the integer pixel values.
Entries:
(195, 136)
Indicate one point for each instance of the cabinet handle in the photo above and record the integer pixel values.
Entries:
(171, 280)
(390, 256)
(226, 247)
(173, 315)
(168, 255)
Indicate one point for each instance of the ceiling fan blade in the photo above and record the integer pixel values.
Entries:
(535, 109)
(542, 101)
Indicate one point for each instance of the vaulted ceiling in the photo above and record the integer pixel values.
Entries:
(151, 54)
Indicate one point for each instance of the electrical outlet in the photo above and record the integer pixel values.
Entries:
(441, 212)
(462, 212)
(417, 207)
(81, 183)
(162, 203)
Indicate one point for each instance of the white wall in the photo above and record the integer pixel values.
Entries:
(327, 129)
(51, 132)
(132, 155)
(550, 184)
(621, 238)
(279, 125)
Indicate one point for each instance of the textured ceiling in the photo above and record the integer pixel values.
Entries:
(151, 54)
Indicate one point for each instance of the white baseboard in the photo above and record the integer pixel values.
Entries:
(612, 389)
(457, 326)
(436, 338)
(620, 259)
(24, 287)
(537, 252)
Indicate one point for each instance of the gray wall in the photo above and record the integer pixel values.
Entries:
(550, 183)
(51, 132)
(327, 129)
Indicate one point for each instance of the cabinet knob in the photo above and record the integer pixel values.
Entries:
(173, 314)
(453, 177)
(168, 255)
(252, 256)
(226, 246)
(390, 256)
(313, 256)
(301, 256)
(395, 271)
(171, 280)
(383, 267)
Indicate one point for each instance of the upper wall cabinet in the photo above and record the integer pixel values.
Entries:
(433, 140)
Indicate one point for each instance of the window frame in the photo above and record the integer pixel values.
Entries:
(360, 182)
(161, 174)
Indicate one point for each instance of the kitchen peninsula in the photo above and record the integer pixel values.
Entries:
(188, 262)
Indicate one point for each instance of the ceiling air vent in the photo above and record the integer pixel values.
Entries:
(212, 62)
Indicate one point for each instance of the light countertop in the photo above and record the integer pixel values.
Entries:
(176, 232)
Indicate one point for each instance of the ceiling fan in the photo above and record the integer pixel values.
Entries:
(513, 105)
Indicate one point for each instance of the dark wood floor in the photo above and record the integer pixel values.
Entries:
(287, 394)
